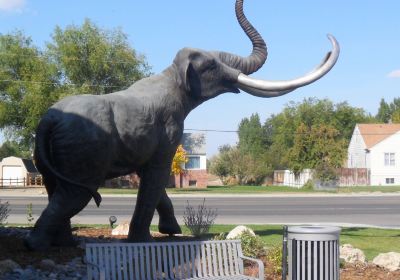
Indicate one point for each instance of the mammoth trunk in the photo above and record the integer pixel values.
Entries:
(257, 58)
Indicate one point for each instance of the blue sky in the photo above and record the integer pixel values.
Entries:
(295, 31)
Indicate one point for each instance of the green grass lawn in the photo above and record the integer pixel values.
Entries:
(370, 240)
(257, 190)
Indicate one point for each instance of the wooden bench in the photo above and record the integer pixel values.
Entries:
(168, 260)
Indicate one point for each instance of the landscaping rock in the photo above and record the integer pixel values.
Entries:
(390, 261)
(238, 231)
(121, 229)
(8, 266)
(352, 255)
(47, 264)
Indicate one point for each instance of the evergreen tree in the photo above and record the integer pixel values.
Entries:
(384, 112)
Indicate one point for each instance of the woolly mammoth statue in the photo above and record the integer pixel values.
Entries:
(84, 140)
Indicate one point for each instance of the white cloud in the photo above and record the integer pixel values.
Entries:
(12, 5)
(394, 74)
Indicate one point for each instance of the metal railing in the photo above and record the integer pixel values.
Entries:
(21, 182)
(12, 182)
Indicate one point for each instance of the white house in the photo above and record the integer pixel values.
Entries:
(15, 171)
(377, 148)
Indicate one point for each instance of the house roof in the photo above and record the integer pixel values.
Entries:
(29, 165)
(376, 133)
(194, 143)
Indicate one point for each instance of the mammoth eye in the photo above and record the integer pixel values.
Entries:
(211, 64)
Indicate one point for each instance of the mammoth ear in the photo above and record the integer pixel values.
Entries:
(193, 85)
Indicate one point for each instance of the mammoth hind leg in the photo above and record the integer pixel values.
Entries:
(53, 226)
(167, 223)
(63, 236)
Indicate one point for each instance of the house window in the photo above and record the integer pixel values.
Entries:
(389, 180)
(193, 163)
(192, 183)
(390, 159)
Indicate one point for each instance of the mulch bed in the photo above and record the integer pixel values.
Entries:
(12, 247)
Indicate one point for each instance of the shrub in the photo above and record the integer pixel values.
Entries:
(200, 221)
(252, 246)
(326, 173)
(221, 236)
(309, 185)
(4, 211)
(29, 213)
(274, 258)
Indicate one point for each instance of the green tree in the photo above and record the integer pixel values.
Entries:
(251, 134)
(221, 164)
(252, 149)
(95, 60)
(281, 129)
(389, 112)
(317, 147)
(28, 86)
(80, 60)
(396, 116)
(233, 166)
(384, 112)
(12, 148)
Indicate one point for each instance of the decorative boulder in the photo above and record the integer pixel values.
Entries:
(47, 264)
(238, 231)
(8, 266)
(121, 229)
(390, 261)
(351, 255)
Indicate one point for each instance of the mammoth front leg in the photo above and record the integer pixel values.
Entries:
(167, 223)
(152, 183)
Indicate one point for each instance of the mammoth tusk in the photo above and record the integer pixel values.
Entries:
(264, 88)
(264, 93)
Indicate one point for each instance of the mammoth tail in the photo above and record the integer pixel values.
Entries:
(42, 156)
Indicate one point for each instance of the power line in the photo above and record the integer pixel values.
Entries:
(211, 130)
(54, 83)
(275, 133)
(71, 58)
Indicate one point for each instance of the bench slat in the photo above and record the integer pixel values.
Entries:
(230, 259)
(136, 257)
(170, 262)
(188, 262)
(130, 262)
(225, 258)
(235, 259)
(176, 262)
(219, 255)
(199, 269)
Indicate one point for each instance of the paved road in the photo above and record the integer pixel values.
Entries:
(381, 210)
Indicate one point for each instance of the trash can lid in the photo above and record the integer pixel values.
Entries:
(314, 229)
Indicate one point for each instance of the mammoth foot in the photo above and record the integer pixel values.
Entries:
(139, 237)
(34, 243)
(42, 238)
(64, 239)
(170, 227)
